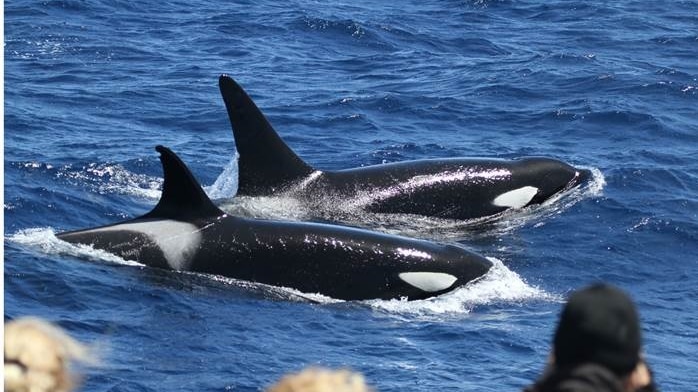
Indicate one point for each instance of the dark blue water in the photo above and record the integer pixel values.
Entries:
(92, 87)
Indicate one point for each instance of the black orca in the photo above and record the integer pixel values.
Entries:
(185, 231)
(455, 188)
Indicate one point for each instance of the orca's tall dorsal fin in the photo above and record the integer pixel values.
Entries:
(182, 196)
(266, 162)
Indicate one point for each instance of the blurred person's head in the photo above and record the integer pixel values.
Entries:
(599, 324)
(38, 356)
(321, 380)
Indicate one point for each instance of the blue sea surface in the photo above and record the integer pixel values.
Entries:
(91, 87)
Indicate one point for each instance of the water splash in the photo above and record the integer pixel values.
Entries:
(226, 185)
(105, 178)
(267, 207)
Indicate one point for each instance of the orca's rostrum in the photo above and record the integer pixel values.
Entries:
(452, 188)
(185, 231)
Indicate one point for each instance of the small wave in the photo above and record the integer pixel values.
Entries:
(341, 31)
(478, 46)
(109, 178)
(683, 88)
(615, 117)
(70, 5)
(105, 178)
(499, 285)
(355, 29)
(49, 47)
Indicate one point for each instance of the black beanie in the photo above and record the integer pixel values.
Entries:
(599, 324)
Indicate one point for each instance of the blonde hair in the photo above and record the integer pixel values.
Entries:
(38, 355)
(321, 380)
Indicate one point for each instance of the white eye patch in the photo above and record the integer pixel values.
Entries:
(516, 198)
(429, 281)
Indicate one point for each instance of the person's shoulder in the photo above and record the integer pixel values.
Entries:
(583, 378)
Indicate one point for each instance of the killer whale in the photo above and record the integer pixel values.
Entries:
(453, 188)
(185, 231)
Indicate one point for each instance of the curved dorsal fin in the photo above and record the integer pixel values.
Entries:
(266, 162)
(182, 196)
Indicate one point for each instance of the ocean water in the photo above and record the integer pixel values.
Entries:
(92, 87)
